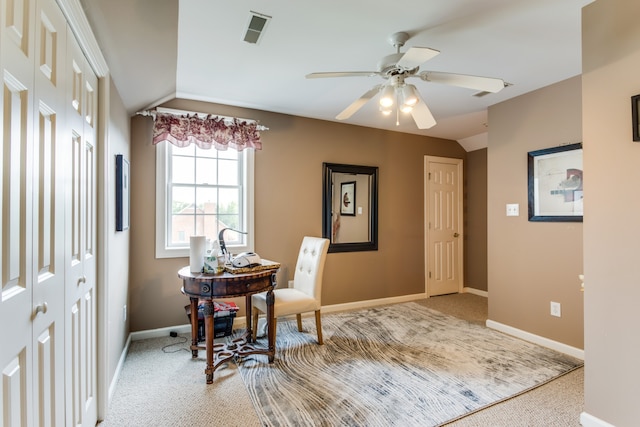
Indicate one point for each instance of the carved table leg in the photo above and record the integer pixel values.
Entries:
(247, 307)
(271, 327)
(209, 332)
(194, 327)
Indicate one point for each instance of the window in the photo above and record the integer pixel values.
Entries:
(200, 192)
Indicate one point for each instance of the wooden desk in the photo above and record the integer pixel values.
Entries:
(206, 288)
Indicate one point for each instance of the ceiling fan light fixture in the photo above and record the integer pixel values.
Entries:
(405, 108)
(387, 98)
(409, 96)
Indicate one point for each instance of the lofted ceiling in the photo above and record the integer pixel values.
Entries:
(194, 49)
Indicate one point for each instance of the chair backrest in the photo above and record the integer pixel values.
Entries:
(310, 265)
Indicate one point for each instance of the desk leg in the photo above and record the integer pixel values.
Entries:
(209, 331)
(271, 327)
(247, 307)
(194, 327)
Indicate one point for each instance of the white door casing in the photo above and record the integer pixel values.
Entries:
(443, 225)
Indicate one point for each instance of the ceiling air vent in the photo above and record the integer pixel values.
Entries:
(257, 24)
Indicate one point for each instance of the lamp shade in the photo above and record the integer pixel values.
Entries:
(387, 96)
(409, 96)
(385, 110)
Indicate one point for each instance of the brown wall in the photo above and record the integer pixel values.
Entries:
(475, 218)
(288, 197)
(115, 288)
(531, 264)
(611, 59)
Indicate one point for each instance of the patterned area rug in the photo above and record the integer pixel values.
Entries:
(402, 364)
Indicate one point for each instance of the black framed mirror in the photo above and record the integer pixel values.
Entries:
(350, 207)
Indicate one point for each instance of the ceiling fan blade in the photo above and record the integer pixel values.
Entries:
(342, 74)
(358, 103)
(416, 56)
(422, 115)
(486, 84)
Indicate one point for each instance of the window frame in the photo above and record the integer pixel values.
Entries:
(162, 185)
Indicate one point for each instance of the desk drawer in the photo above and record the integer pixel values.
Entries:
(232, 286)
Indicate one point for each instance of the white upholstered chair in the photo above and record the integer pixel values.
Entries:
(303, 293)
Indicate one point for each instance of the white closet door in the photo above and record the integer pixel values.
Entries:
(49, 166)
(48, 116)
(16, 213)
(80, 255)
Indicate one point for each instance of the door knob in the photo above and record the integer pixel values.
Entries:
(41, 308)
(83, 279)
(455, 235)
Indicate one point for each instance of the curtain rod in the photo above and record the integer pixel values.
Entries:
(175, 112)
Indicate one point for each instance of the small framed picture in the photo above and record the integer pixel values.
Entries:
(348, 198)
(555, 184)
(122, 193)
(635, 120)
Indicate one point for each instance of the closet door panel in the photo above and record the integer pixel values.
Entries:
(80, 302)
(50, 164)
(16, 185)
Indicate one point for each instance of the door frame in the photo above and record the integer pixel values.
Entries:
(460, 252)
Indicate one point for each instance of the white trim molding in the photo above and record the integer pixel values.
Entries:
(587, 420)
(241, 321)
(116, 374)
(536, 339)
(475, 291)
(370, 303)
(73, 12)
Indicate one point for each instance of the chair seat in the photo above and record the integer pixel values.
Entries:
(287, 301)
(303, 293)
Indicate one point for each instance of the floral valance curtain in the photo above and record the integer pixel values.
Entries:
(206, 132)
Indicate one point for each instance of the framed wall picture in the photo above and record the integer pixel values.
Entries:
(348, 198)
(555, 184)
(635, 119)
(122, 193)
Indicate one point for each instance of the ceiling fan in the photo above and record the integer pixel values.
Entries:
(395, 93)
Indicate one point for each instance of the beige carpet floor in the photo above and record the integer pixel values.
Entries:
(558, 403)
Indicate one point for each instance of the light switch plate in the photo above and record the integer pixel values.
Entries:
(513, 209)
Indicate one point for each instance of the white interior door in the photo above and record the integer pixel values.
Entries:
(48, 193)
(16, 213)
(48, 220)
(80, 256)
(443, 226)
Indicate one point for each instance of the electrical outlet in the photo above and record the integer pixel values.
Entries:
(556, 309)
(513, 209)
(124, 313)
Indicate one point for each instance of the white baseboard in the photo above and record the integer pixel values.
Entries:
(537, 339)
(475, 292)
(587, 420)
(371, 303)
(160, 332)
(116, 375)
(241, 321)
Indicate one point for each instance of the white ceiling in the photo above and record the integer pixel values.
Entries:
(194, 49)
